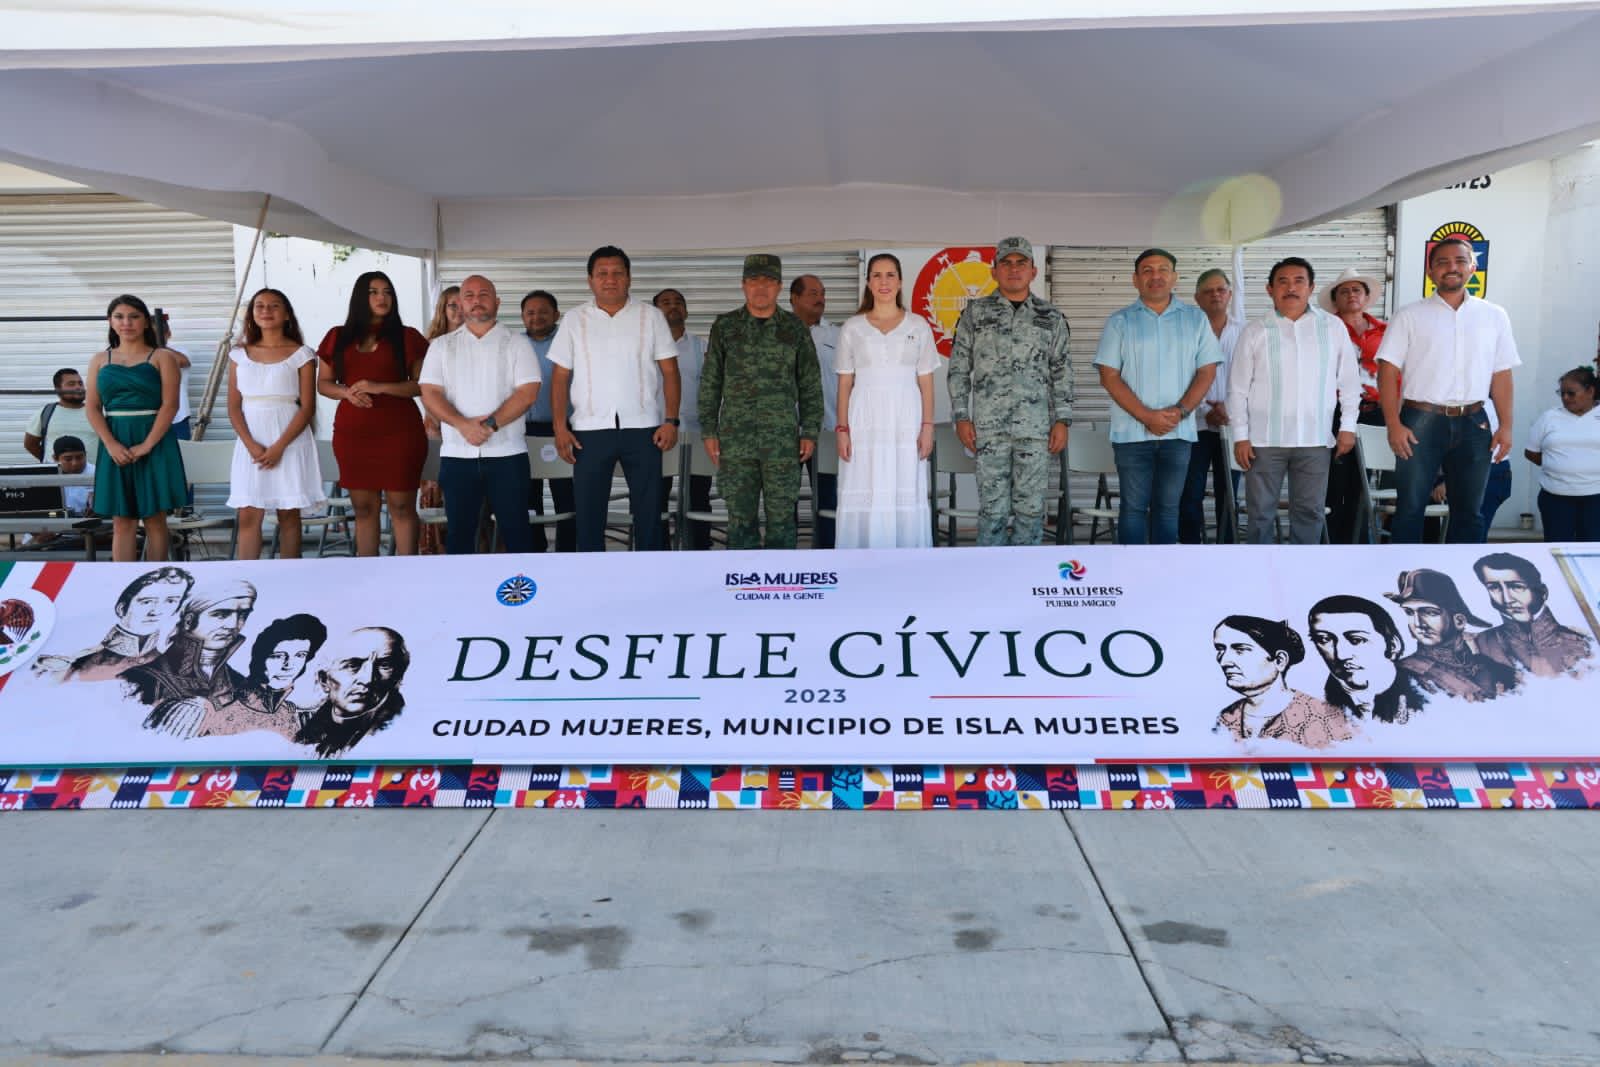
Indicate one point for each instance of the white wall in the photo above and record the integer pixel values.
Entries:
(1570, 295)
(317, 279)
(1514, 214)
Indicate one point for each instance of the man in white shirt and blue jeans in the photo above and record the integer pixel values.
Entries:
(1288, 371)
(478, 381)
(1441, 358)
(606, 360)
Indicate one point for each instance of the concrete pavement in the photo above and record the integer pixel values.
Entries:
(1262, 937)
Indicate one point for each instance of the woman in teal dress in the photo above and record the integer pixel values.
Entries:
(133, 394)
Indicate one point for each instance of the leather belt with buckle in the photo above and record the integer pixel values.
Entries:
(1451, 410)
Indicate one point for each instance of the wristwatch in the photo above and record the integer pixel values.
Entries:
(673, 422)
(491, 423)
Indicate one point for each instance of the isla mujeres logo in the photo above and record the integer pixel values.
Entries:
(516, 591)
(781, 585)
(1073, 594)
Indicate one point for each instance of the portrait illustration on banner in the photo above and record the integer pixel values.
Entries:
(1393, 665)
(200, 661)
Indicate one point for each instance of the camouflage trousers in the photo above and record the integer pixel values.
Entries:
(760, 469)
(1013, 477)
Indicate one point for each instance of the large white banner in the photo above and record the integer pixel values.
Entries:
(941, 656)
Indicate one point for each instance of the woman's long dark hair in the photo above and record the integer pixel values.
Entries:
(301, 627)
(252, 330)
(138, 305)
(358, 326)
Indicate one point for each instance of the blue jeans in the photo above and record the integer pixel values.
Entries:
(1206, 455)
(1456, 444)
(1569, 518)
(467, 483)
(1495, 493)
(597, 460)
(1150, 477)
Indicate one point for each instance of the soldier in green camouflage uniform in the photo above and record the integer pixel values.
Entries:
(760, 407)
(1010, 382)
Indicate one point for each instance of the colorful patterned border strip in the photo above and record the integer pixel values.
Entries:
(837, 788)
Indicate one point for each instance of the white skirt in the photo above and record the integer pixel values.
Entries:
(295, 483)
(883, 488)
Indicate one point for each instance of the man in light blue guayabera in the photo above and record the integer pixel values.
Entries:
(1157, 358)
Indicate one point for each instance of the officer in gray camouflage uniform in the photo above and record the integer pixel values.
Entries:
(1010, 384)
(760, 407)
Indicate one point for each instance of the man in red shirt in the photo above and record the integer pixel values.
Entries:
(1348, 296)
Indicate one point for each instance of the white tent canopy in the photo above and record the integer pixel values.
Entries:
(496, 126)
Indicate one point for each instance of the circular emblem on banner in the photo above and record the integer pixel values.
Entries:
(950, 278)
(1478, 284)
(1073, 569)
(26, 618)
(548, 453)
(517, 591)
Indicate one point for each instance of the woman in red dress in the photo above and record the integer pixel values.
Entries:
(372, 362)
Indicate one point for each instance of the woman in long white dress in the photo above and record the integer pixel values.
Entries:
(272, 395)
(886, 359)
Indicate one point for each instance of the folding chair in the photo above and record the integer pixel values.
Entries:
(950, 459)
(827, 462)
(204, 463)
(546, 465)
(430, 473)
(1061, 478)
(696, 462)
(335, 516)
(1376, 457)
(1089, 452)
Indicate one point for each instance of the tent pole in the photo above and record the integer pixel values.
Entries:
(219, 365)
(1238, 282)
(430, 278)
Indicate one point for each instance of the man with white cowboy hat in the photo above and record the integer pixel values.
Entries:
(1348, 296)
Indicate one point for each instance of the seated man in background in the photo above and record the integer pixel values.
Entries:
(64, 416)
(71, 458)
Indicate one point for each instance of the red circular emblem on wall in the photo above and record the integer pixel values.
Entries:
(950, 278)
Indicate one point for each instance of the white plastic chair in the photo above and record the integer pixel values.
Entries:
(546, 465)
(204, 463)
(695, 462)
(951, 459)
(1089, 452)
(827, 462)
(1377, 458)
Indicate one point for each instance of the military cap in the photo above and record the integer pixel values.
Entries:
(1435, 588)
(1013, 246)
(763, 265)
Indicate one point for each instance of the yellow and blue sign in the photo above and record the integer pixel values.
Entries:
(1478, 284)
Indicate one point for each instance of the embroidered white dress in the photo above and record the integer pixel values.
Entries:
(271, 398)
(883, 488)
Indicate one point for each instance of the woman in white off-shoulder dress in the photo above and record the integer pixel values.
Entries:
(886, 359)
(272, 390)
